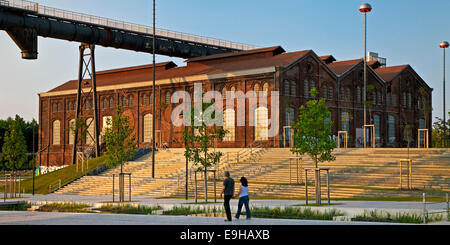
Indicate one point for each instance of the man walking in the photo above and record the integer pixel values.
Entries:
(228, 190)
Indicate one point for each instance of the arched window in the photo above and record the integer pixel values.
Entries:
(404, 99)
(290, 115)
(324, 91)
(409, 101)
(313, 85)
(148, 127)
(293, 88)
(167, 97)
(341, 93)
(111, 102)
(233, 91)
(345, 122)
(224, 92)
(124, 101)
(144, 99)
(150, 99)
(330, 92)
(70, 106)
(394, 99)
(90, 134)
(229, 124)
(380, 98)
(377, 123)
(266, 89)
(391, 129)
(286, 87)
(56, 132)
(256, 89)
(54, 107)
(71, 131)
(130, 101)
(348, 96)
(105, 103)
(306, 88)
(358, 94)
(262, 123)
(59, 106)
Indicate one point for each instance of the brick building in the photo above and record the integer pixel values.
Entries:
(395, 92)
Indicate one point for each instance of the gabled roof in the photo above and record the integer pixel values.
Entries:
(145, 73)
(341, 67)
(390, 72)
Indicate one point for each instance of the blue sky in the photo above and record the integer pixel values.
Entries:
(403, 31)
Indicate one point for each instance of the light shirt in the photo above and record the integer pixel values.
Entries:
(244, 191)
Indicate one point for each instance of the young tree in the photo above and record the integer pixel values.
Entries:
(120, 141)
(313, 135)
(14, 148)
(199, 139)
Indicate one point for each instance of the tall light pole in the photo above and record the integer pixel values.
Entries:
(154, 96)
(365, 8)
(444, 45)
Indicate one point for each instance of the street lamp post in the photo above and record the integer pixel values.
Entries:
(154, 96)
(444, 45)
(365, 8)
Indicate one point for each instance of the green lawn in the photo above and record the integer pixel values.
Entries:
(66, 175)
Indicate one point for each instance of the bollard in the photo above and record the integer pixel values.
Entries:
(424, 208)
(448, 207)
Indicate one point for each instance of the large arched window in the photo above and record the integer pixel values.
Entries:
(106, 119)
(148, 127)
(71, 131)
(262, 123)
(391, 129)
(56, 132)
(290, 114)
(377, 123)
(90, 131)
(229, 124)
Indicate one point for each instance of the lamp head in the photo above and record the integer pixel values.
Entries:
(365, 8)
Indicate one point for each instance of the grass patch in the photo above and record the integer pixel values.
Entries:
(400, 217)
(128, 209)
(189, 210)
(193, 203)
(21, 206)
(69, 207)
(315, 205)
(295, 213)
(66, 175)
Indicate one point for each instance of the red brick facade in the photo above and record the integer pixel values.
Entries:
(270, 68)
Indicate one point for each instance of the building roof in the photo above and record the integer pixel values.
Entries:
(388, 73)
(327, 59)
(274, 50)
(340, 67)
(145, 73)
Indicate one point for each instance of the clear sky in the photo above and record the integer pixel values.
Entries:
(403, 31)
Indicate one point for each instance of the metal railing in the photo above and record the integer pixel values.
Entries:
(426, 212)
(69, 15)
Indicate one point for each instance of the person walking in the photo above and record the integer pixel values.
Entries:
(243, 198)
(228, 190)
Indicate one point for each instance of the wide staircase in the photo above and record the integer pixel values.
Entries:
(274, 173)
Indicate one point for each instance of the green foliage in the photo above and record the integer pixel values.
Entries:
(188, 210)
(313, 134)
(295, 213)
(199, 139)
(129, 209)
(438, 132)
(120, 141)
(14, 148)
(400, 217)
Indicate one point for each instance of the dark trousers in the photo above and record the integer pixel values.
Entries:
(227, 206)
(243, 201)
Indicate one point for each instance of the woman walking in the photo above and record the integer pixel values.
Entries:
(243, 198)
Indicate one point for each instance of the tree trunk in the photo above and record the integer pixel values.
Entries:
(317, 182)
(206, 185)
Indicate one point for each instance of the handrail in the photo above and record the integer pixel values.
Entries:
(70, 15)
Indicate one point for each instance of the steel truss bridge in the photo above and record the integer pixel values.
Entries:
(24, 21)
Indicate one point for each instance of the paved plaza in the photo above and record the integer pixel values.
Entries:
(45, 218)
